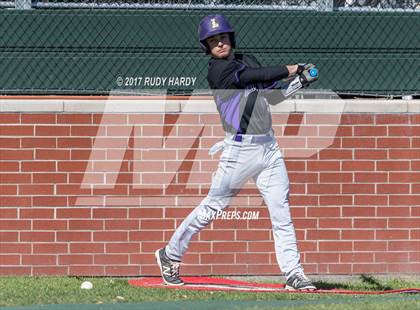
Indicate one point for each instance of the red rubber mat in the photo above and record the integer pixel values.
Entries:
(219, 284)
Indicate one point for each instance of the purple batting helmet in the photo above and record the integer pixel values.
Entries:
(212, 25)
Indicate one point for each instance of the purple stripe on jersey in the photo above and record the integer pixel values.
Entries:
(271, 86)
(229, 110)
(237, 73)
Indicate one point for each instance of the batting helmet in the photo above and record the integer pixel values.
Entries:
(212, 25)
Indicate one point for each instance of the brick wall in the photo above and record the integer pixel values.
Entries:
(85, 192)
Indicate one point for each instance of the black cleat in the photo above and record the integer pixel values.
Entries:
(299, 282)
(169, 269)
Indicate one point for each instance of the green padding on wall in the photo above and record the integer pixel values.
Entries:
(85, 51)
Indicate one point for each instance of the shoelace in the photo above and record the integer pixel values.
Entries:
(174, 269)
(302, 276)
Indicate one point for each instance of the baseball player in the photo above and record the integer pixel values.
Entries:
(243, 91)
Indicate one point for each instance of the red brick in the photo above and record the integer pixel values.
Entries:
(370, 246)
(122, 224)
(403, 200)
(370, 131)
(323, 234)
(341, 177)
(51, 178)
(414, 234)
(357, 165)
(108, 236)
(36, 189)
(75, 143)
(122, 270)
(323, 212)
(323, 166)
(16, 130)
(70, 236)
(88, 131)
(49, 271)
(6, 260)
(229, 235)
(252, 258)
(412, 268)
(108, 118)
(111, 213)
(392, 234)
(358, 211)
(15, 224)
(50, 154)
(50, 248)
(393, 142)
(399, 177)
(370, 177)
(303, 223)
(86, 224)
(13, 201)
(387, 257)
(393, 188)
(321, 257)
(406, 131)
(38, 118)
(370, 154)
(358, 188)
(37, 236)
(74, 118)
(15, 271)
(8, 167)
(10, 118)
(352, 119)
(307, 200)
(146, 235)
(157, 224)
(322, 143)
(52, 130)
(32, 166)
(370, 223)
(87, 247)
(358, 143)
(356, 257)
(15, 248)
(404, 153)
(360, 234)
(393, 211)
(323, 188)
(8, 213)
(74, 213)
(142, 259)
(49, 201)
(15, 178)
(404, 222)
(16, 154)
(42, 260)
(88, 270)
(408, 246)
(415, 211)
(8, 236)
(370, 200)
(36, 142)
(393, 165)
(392, 119)
(369, 268)
(335, 223)
(218, 258)
(8, 190)
(334, 246)
(75, 259)
(10, 142)
(49, 225)
(123, 248)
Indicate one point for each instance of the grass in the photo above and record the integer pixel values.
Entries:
(20, 291)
